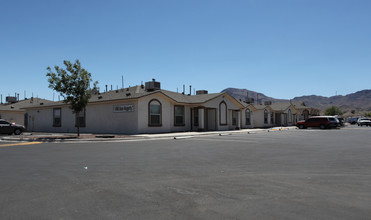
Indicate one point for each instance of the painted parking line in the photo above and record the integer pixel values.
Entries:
(20, 144)
(225, 140)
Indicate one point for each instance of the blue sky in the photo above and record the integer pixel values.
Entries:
(282, 48)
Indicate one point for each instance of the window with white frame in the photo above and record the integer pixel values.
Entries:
(223, 113)
(57, 117)
(179, 115)
(248, 116)
(155, 113)
(195, 116)
(234, 117)
(265, 116)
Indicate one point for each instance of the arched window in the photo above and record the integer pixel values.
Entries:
(154, 113)
(289, 116)
(265, 116)
(248, 116)
(223, 113)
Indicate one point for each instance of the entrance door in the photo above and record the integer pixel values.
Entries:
(26, 120)
(285, 119)
(210, 119)
(278, 119)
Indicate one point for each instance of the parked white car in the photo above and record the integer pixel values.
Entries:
(364, 121)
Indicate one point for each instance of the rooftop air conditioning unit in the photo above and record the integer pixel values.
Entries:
(11, 99)
(249, 100)
(201, 92)
(268, 103)
(153, 85)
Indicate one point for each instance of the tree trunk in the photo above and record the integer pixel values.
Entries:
(78, 123)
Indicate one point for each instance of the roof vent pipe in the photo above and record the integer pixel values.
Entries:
(190, 90)
(183, 89)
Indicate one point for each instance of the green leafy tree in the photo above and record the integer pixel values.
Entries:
(368, 114)
(73, 83)
(333, 110)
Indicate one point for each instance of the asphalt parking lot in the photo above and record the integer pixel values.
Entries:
(293, 174)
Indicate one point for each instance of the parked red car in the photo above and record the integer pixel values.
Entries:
(322, 122)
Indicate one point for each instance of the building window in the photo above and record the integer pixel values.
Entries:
(155, 113)
(223, 113)
(195, 116)
(234, 117)
(265, 116)
(248, 116)
(80, 119)
(57, 117)
(179, 115)
(272, 118)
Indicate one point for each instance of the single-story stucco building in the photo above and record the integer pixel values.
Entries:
(150, 109)
(141, 109)
(14, 111)
(305, 111)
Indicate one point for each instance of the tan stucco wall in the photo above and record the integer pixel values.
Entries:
(259, 119)
(167, 115)
(243, 119)
(214, 103)
(100, 118)
(41, 120)
(13, 116)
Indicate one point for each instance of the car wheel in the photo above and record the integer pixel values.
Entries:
(17, 132)
(322, 126)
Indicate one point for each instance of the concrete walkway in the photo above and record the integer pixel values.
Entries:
(72, 137)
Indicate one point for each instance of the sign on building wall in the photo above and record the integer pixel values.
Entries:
(123, 108)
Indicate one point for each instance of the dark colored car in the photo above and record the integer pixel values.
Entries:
(7, 127)
(320, 122)
(352, 120)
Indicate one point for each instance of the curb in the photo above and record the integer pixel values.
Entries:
(143, 137)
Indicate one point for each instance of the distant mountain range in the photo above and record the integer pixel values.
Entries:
(359, 101)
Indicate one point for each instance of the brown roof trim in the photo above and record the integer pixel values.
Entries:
(10, 110)
(61, 104)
